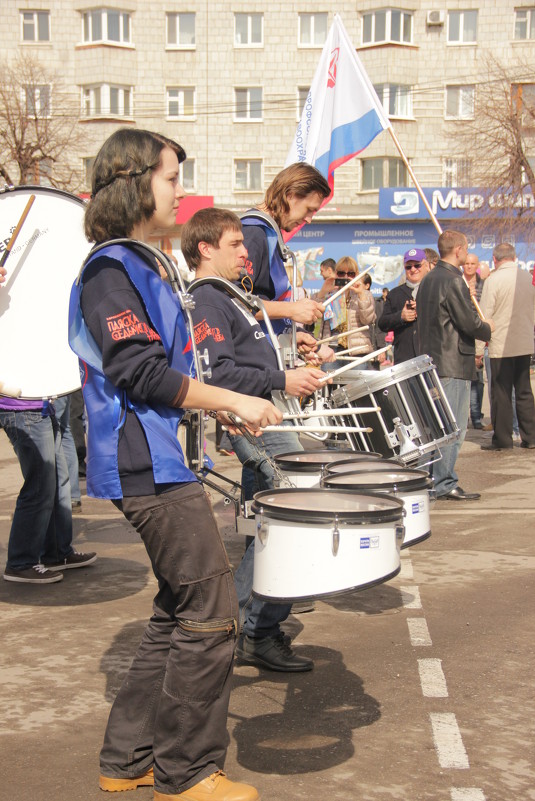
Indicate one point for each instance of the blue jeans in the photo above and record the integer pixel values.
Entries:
(62, 407)
(41, 530)
(476, 398)
(457, 391)
(259, 618)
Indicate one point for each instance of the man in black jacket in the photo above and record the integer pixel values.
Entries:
(448, 325)
(399, 312)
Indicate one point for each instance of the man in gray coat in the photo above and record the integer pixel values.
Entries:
(508, 297)
(448, 325)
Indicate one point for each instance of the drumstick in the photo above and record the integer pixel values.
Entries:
(16, 232)
(354, 363)
(321, 429)
(330, 412)
(343, 289)
(344, 334)
(474, 301)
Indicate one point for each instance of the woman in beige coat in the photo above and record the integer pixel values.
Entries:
(360, 308)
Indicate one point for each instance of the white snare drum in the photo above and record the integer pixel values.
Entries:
(415, 418)
(311, 544)
(410, 486)
(306, 468)
(34, 301)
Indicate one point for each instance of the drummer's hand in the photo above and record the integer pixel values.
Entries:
(408, 313)
(305, 311)
(3, 273)
(325, 354)
(381, 358)
(303, 381)
(257, 413)
(305, 343)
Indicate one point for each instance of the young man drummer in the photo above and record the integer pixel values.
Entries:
(167, 726)
(242, 359)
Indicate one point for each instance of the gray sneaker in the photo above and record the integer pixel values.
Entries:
(74, 559)
(38, 574)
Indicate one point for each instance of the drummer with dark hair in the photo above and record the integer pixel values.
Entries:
(242, 358)
(167, 726)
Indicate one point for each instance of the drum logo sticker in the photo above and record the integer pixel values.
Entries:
(369, 542)
(417, 507)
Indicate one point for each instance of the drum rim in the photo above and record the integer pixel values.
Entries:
(33, 189)
(411, 484)
(312, 516)
(306, 467)
(383, 379)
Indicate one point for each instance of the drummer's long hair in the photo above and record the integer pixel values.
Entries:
(299, 179)
(121, 195)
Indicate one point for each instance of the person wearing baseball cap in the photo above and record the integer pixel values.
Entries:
(399, 312)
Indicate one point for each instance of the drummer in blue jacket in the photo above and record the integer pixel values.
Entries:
(167, 726)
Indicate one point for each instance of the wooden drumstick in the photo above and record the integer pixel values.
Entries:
(360, 360)
(343, 334)
(16, 232)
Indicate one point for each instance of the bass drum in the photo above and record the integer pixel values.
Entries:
(37, 361)
(312, 544)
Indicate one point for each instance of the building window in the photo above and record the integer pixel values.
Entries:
(396, 99)
(106, 25)
(302, 95)
(187, 175)
(248, 30)
(387, 25)
(462, 27)
(37, 101)
(180, 30)
(35, 26)
(525, 23)
(457, 172)
(87, 167)
(523, 95)
(312, 30)
(460, 102)
(105, 100)
(382, 172)
(248, 104)
(248, 175)
(181, 101)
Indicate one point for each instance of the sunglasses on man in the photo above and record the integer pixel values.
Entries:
(414, 265)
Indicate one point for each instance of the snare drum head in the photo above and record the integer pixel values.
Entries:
(401, 479)
(323, 506)
(310, 461)
(34, 300)
(363, 466)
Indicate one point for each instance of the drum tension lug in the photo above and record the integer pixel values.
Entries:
(262, 527)
(336, 537)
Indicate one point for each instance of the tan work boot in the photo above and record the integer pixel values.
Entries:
(214, 788)
(120, 785)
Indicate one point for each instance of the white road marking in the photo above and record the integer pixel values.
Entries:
(410, 597)
(467, 794)
(432, 678)
(448, 741)
(406, 571)
(418, 631)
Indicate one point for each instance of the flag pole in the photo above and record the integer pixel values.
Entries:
(415, 180)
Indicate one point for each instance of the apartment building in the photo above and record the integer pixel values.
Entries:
(229, 80)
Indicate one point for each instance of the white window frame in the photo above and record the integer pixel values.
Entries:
(454, 170)
(395, 91)
(517, 93)
(312, 16)
(386, 173)
(466, 98)
(33, 106)
(528, 21)
(302, 95)
(88, 163)
(244, 114)
(35, 25)
(174, 18)
(176, 94)
(249, 42)
(248, 162)
(388, 27)
(123, 41)
(188, 164)
(461, 40)
(93, 110)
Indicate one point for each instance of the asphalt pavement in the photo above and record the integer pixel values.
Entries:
(422, 687)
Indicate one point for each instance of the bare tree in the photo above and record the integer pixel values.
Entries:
(39, 127)
(500, 142)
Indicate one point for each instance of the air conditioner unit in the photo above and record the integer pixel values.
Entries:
(436, 17)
